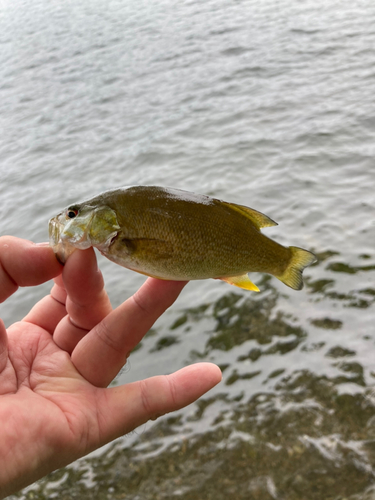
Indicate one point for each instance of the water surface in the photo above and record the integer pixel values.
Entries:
(268, 104)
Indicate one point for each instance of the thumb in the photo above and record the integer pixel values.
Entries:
(128, 406)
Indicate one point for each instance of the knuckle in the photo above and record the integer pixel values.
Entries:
(104, 333)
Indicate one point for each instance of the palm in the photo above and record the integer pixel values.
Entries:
(56, 407)
(56, 363)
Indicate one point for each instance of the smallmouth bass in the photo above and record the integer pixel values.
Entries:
(177, 235)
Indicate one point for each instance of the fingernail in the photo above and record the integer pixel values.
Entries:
(43, 244)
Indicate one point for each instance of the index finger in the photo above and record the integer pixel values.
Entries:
(114, 338)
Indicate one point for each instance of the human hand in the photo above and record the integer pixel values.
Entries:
(56, 363)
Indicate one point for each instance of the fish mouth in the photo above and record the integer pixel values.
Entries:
(54, 230)
(57, 242)
(90, 226)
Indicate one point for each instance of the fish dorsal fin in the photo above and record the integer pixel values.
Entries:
(257, 218)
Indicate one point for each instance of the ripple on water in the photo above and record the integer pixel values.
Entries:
(267, 104)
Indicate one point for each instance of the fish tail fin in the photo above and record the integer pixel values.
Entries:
(292, 276)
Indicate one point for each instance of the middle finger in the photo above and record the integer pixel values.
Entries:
(87, 302)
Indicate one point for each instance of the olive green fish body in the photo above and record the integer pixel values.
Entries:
(177, 235)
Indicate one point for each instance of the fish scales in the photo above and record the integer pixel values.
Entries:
(197, 236)
(173, 234)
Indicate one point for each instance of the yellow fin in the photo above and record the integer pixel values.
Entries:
(292, 276)
(257, 218)
(241, 282)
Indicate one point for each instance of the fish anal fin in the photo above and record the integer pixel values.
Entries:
(257, 218)
(242, 282)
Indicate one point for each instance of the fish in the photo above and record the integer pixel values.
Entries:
(177, 235)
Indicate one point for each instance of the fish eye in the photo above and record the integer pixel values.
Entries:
(71, 213)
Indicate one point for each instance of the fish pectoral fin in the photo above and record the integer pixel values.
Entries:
(258, 219)
(242, 282)
(150, 247)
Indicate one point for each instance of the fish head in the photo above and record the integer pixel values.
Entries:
(82, 226)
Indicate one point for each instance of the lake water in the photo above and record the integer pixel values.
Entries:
(265, 103)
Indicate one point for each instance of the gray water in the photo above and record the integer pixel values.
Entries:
(265, 103)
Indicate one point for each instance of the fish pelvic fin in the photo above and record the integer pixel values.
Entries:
(242, 282)
(292, 276)
(258, 219)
